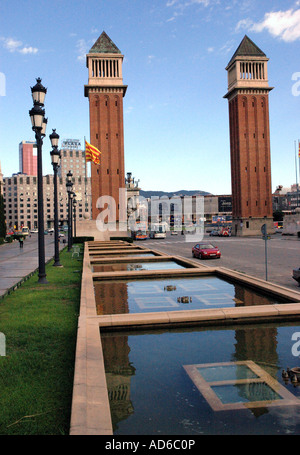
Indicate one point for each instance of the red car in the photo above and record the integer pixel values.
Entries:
(205, 251)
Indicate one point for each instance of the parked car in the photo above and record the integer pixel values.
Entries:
(214, 233)
(205, 251)
(34, 231)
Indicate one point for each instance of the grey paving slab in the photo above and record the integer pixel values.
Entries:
(17, 263)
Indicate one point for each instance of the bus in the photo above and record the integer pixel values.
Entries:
(158, 230)
(25, 230)
(139, 232)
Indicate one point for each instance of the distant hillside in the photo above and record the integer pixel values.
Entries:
(148, 194)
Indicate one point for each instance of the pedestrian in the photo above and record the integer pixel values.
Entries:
(21, 242)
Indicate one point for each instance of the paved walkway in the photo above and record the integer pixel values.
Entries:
(16, 263)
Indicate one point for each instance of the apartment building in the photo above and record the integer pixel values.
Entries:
(28, 157)
(21, 204)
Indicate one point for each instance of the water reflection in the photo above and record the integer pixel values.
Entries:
(151, 394)
(116, 267)
(137, 296)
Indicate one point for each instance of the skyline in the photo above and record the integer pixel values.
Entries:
(176, 123)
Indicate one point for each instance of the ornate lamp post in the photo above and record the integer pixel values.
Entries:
(70, 195)
(38, 121)
(74, 205)
(55, 159)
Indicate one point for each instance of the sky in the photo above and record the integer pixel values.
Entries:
(176, 125)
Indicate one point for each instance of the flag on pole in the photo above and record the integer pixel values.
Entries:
(299, 149)
(92, 153)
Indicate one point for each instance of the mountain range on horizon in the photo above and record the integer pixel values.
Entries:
(148, 194)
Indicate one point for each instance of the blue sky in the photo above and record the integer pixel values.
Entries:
(176, 125)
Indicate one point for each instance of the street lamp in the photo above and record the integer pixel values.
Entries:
(39, 123)
(70, 195)
(74, 205)
(55, 159)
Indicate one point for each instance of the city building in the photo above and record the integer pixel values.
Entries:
(21, 205)
(248, 92)
(28, 158)
(73, 159)
(105, 91)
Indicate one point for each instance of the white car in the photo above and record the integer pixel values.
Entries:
(34, 231)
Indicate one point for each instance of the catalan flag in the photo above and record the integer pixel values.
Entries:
(299, 149)
(92, 153)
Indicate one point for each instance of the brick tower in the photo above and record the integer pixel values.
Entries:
(105, 91)
(248, 99)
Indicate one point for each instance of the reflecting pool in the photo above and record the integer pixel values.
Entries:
(171, 294)
(122, 255)
(128, 266)
(151, 392)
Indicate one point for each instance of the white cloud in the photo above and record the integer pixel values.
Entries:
(282, 24)
(150, 59)
(185, 3)
(13, 45)
(28, 50)
(82, 48)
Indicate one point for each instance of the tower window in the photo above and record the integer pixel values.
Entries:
(117, 171)
(116, 103)
(106, 135)
(107, 171)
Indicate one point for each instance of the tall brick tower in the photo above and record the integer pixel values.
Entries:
(248, 99)
(105, 91)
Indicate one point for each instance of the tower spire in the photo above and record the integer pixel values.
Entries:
(248, 92)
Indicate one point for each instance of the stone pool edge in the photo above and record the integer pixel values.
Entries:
(90, 412)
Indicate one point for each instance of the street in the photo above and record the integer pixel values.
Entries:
(16, 262)
(245, 255)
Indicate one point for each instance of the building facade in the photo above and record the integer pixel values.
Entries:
(248, 92)
(28, 158)
(21, 205)
(73, 159)
(105, 91)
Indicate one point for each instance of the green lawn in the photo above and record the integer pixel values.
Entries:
(36, 375)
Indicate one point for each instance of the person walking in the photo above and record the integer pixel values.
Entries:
(21, 242)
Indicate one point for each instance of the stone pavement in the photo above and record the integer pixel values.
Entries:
(17, 263)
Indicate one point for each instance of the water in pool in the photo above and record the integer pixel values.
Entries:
(157, 265)
(137, 296)
(151, 394)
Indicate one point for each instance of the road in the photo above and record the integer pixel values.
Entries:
(245, 255)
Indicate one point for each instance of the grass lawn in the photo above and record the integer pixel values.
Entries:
(36, 376)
